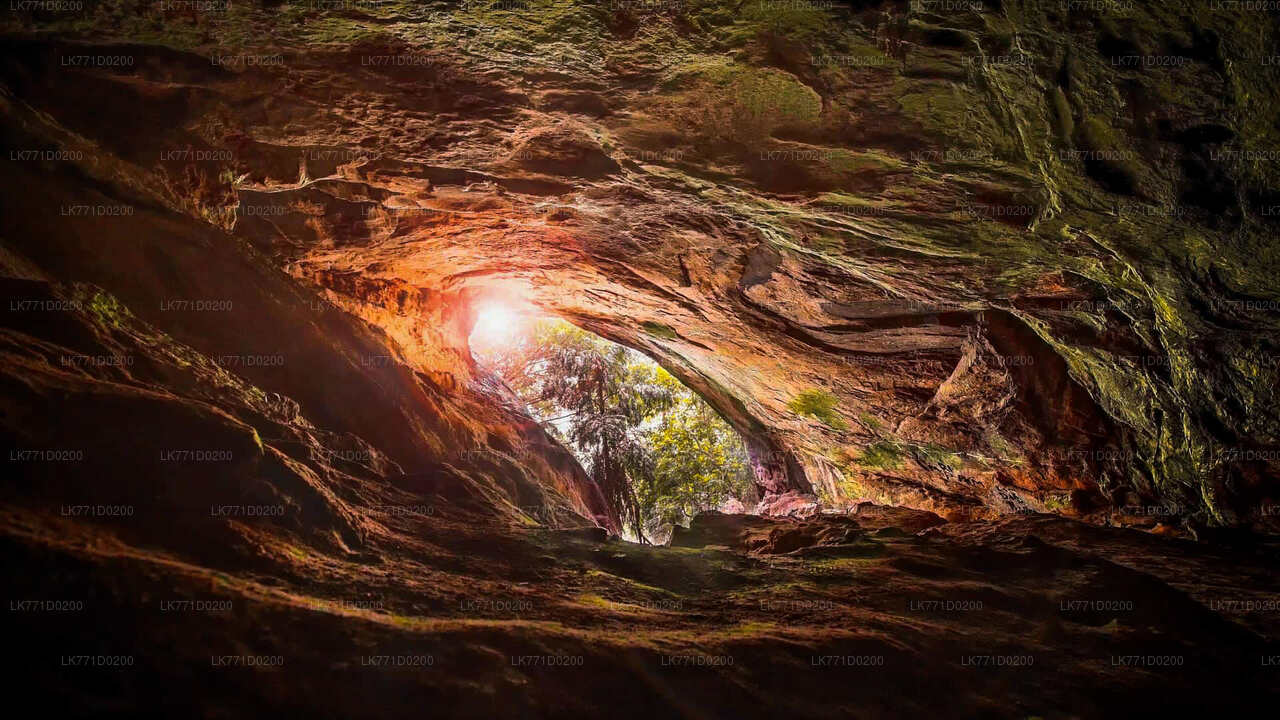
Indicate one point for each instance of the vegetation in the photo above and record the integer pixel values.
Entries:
(1110, 161)
(819, 404)
(659, 330)
(107, 309)
(884, 454)
(729, 102)
(937, 456)
(658, 452)
(699, 460)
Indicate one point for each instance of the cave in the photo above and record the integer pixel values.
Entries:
(986, 289)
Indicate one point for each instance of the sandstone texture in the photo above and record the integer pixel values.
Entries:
(988, 288)
(1003, 256)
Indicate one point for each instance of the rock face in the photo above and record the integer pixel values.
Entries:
(989, 263)
(975, 259)
(151, 345)
(771, 536)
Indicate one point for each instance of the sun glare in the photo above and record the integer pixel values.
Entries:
(497, 326)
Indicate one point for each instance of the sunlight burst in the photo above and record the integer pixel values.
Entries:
(496, 326)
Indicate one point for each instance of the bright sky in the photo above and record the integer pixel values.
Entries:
(497, 326)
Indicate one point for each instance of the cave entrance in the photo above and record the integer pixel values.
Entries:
(659, 452)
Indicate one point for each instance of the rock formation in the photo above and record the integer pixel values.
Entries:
(989, 263)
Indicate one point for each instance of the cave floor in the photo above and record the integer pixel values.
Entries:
(1025, 617)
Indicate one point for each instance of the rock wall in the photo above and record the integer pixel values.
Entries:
(176, 366)
(972, 258)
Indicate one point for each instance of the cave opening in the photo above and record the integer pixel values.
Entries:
(658, 451)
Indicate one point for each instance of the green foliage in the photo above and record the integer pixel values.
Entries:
(700, 460)
(658, 452)
(819, 404)
(602, 397)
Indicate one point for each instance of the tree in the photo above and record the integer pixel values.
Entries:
(699, 461)
(658, 452)
(589, 391)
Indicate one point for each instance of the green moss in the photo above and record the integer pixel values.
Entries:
(934, 455)
(1003, 449)
(1063, 124)
(1109, 160)
(750, 629)
(1057, 503)
(732, 102)
(884, 454)
(827, 244)
(593, 600)
(534, 32)
(107, 309)
(795, 20)
(657, 329)
(602, 575)
(848, 161)
(845, 200)
(341, 31)
(819, 404)
(950, 115)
